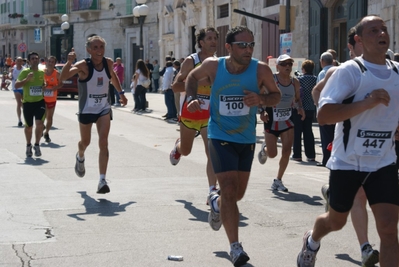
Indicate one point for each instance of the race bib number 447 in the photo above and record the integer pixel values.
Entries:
(372, 143)
(232, 105)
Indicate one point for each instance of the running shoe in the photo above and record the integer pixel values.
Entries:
(238, 256)
(262, 156)
(103, 187)
(29, 151)
(20, 124)
(38, 153)
(325, 191)
(369, 256)
(80, 167)
(47, 138)
(214, 217)
(306, 257)
(278, 185)
(174, 154)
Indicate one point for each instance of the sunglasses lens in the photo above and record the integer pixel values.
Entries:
(284, 64)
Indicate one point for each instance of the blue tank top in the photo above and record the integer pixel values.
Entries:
(230, 119)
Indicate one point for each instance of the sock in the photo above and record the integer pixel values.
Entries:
(313, 245)
(233, 245)
(214, 204)
(212, 188)
(363, 245)
(36, 144)
(102, 176)
(79, 158)
(28, 144)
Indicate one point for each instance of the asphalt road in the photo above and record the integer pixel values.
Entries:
(50, 217)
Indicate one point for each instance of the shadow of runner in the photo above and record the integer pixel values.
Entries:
(296, 197)
(346, 257)
(103, 207)
(202, 216)
(34, 161)
(225, 255)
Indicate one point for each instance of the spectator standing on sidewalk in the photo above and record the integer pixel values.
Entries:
(168, 92)
(18, 92)
(150, 67)
(155, 76)
(119, 69)
(304, 127)
(142, 73)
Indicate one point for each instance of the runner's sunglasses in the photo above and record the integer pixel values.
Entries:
(244, 44)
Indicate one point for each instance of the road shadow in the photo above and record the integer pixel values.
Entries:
(51, 145)
(225, 255)
(202, 216)
(34, 161)
(296, 197)
(102, 207)
(346, 257)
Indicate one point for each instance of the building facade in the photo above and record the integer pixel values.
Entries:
(309, 27)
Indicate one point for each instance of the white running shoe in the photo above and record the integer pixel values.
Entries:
(29, 151)
(262, 156)
(214, 217)
(238, 256)
(278, 185)
(325, 191)
(306, 257)
(103, 187)
(369, 256)
(174, 155)
(38, 153)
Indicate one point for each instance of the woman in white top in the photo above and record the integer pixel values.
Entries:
(142, 74)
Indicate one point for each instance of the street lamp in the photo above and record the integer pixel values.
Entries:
(65, 27)
(140, 12)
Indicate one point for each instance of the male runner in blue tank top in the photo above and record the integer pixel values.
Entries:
(234, 98)
(94, 76)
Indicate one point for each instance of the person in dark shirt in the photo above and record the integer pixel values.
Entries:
(150, 67)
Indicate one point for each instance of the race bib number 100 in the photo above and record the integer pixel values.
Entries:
(232, 105)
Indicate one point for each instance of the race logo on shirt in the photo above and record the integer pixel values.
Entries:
(100, 81)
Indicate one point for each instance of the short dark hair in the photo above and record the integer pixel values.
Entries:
(230, 36)
(177, 63)
(351, 36)
(32, 53)
(308, 66)
(202, 33)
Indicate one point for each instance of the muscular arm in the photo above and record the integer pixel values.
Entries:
(265, 79)
(186, 67)
(333, 113)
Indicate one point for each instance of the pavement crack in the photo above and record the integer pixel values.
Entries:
(22, 255)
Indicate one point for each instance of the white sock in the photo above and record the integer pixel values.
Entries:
(215, 205)
(79, 158)
(212, 188)
(313, 245)
(233, 244)
(102, 176)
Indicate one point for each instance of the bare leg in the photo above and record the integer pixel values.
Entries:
(28, 134)
(209, 168)
(359, 216)
(386, 217)
(38, 131)
(328, 222)
(18, 99)
(49, 119)
(287, 139)
(186, 140)
(103, 125)
(85, 138)
(233, 185)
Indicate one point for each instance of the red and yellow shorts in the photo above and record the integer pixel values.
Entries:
(50, 105)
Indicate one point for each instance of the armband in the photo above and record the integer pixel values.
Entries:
(121, 92)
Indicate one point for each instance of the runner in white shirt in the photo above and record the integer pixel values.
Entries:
(15, 71)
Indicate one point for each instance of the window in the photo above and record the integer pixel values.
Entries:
(223, 11)
(268, 3)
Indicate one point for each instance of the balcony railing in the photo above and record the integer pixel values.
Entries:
(27, 20)
(87, 5)
(54, 7)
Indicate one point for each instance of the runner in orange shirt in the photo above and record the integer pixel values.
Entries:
(52, 77)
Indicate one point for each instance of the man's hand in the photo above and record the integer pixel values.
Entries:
(195, 105)
(302, 113)
(72, 56)
(123, 100)
(29, 76)
(264, 116)
(251, 98)
(378, 96)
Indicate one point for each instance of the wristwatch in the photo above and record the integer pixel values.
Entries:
(189, 99)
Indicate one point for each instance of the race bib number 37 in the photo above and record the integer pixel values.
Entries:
(372, 143)
(232, 105)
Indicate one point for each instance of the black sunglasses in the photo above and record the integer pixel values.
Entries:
(283, 64)
(244, 44)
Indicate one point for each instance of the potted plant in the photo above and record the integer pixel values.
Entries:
(36, 15)
(23, 21)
